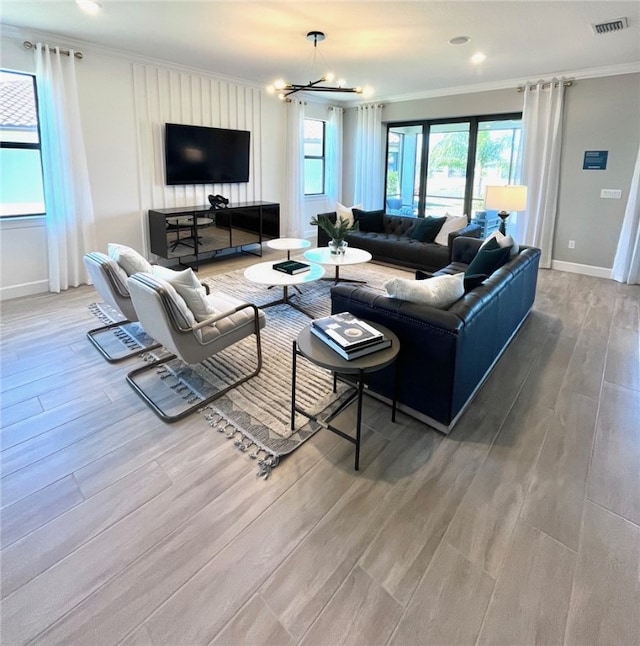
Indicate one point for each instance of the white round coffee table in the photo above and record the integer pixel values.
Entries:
(263, 273)
(289, 245)
(323, 256)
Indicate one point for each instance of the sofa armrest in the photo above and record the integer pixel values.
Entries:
(470, 231)
(464, 249)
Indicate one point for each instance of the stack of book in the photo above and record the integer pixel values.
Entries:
(350, 337)
(291, 267)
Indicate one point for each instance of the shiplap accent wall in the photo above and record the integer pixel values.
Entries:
(171, 96)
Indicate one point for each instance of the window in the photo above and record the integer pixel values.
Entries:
(438, 167)
(21, 191)
(314, 157)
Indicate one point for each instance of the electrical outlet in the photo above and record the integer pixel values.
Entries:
(611, 193)
(572, 244)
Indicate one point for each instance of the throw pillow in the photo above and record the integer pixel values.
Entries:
(370, 221)
(452, 223)
(503, 241)
(188, 286)
(426, 229)
(438, 291)
(489, 258)
(129, 259)
(472, 281)
(346, 212)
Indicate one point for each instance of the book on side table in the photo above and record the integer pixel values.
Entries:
(349, 336)
(291, 267)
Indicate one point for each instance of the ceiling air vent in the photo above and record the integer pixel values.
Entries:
(611, 25)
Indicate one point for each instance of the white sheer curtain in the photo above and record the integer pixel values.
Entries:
(70, 219)
(293, 209)
(369, 180)
(626, 265)
(542, 143)
(334, 155)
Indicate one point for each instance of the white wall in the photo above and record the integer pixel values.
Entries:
(124, 105)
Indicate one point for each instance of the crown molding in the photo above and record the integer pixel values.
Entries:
(9, 31)
(508, 84)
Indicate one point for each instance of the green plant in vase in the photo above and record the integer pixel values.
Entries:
(335, 230)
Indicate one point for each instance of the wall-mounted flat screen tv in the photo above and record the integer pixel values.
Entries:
(201, 155)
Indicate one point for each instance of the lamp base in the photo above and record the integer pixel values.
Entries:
(503, 215)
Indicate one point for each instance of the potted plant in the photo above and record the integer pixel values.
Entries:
(335, 230)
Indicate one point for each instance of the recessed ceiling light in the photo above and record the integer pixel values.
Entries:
(460, 40)
(478, 57)
(89, 6)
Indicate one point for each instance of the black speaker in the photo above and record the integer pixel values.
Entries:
(218, 201)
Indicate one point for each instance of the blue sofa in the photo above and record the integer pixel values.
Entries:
(446, 355)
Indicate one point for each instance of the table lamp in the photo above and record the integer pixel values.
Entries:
(505, 199)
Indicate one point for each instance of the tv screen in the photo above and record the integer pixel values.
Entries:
(200, 155)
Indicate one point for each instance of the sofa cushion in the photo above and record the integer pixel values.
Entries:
(452, 223)
(438, 291)
(189, 287)
(489, 258)
(426, 229)
(473, 280)
(129, 259)
(369, 221)
(503, 241)
(346, 212)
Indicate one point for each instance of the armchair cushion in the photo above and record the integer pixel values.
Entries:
(369, 221)
(426, 229)
(439, 291)
(187, 285)
(451, 224)
(129, 259)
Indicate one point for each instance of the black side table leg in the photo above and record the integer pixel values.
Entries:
(293, 386)
(359, 419)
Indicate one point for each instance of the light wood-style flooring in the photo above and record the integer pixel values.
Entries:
(520, 527)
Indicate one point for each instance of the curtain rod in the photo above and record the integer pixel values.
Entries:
(522, 88)
(66, 52)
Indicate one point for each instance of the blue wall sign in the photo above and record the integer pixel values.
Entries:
(595, 160)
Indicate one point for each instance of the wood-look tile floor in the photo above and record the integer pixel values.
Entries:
(520, 527)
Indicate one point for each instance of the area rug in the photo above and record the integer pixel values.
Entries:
(256, 415)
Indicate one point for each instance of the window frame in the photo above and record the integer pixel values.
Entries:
(425, 124)
(322, 157)
(24, 145)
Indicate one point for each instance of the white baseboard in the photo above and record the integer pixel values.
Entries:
(586, 270)
(25, 289)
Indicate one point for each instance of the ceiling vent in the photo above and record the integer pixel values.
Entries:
(611, 25)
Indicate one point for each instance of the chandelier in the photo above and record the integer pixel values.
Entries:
(285, 89)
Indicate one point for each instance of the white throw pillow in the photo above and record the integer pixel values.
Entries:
(188, 286)
(439, 291)
(129, 259)
(346, 212)
(451, 224)
(503, 241)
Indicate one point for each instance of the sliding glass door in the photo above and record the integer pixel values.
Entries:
(404, 156)
(440, 167)
(446, 177)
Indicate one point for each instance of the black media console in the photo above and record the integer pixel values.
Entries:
(197, 231)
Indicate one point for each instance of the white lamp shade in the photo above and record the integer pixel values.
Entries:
(506, 198)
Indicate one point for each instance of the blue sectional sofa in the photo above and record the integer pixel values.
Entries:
(446, 355)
